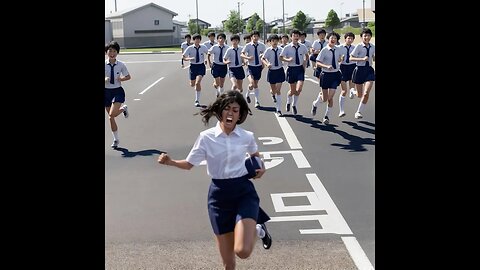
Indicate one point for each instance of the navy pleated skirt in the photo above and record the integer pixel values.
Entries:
(230, 200)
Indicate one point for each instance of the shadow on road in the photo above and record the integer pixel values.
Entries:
(128, 154)
(358, 127)
(355, 143)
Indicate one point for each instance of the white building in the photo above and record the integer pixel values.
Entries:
(148, 25)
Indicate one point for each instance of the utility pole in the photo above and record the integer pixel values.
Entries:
(198, 29)
(115, 5)
(283, 16)
(364, 14)
(264, 24)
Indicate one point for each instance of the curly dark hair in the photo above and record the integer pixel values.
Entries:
(228, 97)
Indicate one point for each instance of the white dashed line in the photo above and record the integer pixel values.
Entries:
(146, 89)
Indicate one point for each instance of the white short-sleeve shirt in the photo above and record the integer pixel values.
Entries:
(191, 51)
(361, 52)
(225, 154)
(119, 68)
(249, 50)
(215, 52)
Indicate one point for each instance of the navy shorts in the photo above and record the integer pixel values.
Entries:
(362, 74)
(276, 76)
(255, 72)
(230, 200)
(313, 57)
(219, 70)
(114, 95)
(295, 74)
(237, 73)
(347, 71)
(197, 69)
(330, 80)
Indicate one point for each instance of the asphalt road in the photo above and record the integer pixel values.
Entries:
(319, 188)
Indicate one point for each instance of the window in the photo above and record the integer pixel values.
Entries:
(156, 22)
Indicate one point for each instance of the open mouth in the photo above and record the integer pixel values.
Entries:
(229, 119)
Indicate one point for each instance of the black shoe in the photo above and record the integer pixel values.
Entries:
(326, 120)
(294, 109)
(314, 110)
(288, 107)
(248, 98)
(279, 113)
(267, 239)
(274, 99)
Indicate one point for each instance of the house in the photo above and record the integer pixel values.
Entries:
(181, 29)
(202, 24)
(149, 25)
(350, 20)
(369, 16)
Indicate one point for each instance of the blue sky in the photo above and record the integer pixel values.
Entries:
(214, 11)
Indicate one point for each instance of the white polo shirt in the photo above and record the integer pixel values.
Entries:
(225, 154)
(230, 55)
(361, 52)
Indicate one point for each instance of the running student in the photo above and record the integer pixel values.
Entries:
(196, 55)
(116, 72)
(276, 73)
(233, 203)
(363, 75)
(234, 61)
(185, 44)
(317, 46)
(253, 52)
(218, 68)
(346, 67)
(296, 54)
(329, 60)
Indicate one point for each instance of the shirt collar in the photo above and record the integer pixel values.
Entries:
(219, 131)
(107, 61)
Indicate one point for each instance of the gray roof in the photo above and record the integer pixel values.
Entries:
(133, 9)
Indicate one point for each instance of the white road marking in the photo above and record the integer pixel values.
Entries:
(288, 132)
(279, 205)
(136, 99)
(356, 252)
(270, 140)
(297, 155)
(151, 85)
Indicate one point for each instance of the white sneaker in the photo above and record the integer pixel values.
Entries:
(197, 104)
(358, 115)
(352, 93)
(257, 104)
(125, 110)
(115, 143)
(341, 114)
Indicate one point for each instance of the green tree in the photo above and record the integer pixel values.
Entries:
(370, 24)
(301, 21)
(259, 26)
(252, 22)
(234, 24)
(192, 27)
(332, 19)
